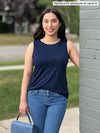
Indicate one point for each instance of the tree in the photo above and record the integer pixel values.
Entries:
(31, 9)
(24, 10)
(4, 5)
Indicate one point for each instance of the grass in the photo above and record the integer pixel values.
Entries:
(10, 83)
(73, 86)
(15, 39)
(19, 39)
(10, 63)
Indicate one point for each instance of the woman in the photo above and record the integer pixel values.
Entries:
(44, 92)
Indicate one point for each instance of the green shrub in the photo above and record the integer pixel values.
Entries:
(3, 27)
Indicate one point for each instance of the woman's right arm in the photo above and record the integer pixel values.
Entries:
(28, 69)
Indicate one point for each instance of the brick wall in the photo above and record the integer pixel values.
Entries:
(89, 95)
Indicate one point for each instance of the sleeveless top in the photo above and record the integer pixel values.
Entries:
(50, 63)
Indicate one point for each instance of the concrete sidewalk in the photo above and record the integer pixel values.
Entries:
(12, 52)
(70, 123)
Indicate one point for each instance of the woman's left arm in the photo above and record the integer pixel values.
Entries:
(73, 53)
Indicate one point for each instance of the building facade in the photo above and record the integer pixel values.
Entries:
(89, 94)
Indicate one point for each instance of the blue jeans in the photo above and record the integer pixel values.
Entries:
(47, 110)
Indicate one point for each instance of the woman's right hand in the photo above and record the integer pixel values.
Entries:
(23, 108)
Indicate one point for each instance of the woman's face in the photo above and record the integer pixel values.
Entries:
(50, 24)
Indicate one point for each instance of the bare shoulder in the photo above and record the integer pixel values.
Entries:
(30, 47)
(70, 45)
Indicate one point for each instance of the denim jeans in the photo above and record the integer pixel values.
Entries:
(47, 110)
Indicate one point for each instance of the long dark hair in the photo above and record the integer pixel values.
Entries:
(39, 34)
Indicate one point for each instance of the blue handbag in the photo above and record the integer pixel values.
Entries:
(22, 127)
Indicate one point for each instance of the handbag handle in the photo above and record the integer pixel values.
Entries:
(27, 116)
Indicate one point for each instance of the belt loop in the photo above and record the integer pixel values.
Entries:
(47, 93)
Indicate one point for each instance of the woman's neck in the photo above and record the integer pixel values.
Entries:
(50, 40)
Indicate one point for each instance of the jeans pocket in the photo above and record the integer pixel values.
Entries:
(32, 92)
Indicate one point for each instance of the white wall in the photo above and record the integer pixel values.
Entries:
(89, 95)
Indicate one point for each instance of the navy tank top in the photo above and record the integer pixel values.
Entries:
(50, 63)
